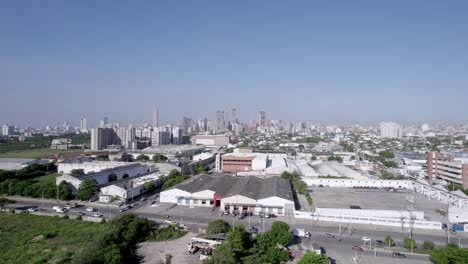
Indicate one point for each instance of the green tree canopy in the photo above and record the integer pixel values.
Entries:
(450, 254)
(217, 226)
(142, 157)
(77, 172)
(159, 158)
(112, 177)
(313, 258)
(87, 189)
(65, 191)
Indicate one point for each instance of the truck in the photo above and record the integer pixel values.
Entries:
(316, 248)
(458, 227)
(300, 233)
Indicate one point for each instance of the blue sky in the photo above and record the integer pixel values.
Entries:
(323, 61)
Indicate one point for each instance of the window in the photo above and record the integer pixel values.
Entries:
(187, 201)
(179, 200)
(203, 202)
(211, 202)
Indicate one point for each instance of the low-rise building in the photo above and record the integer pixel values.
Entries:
(452, 170)
(234, 194)
(210, 140)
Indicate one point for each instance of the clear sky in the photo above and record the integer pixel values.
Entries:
(325, 61)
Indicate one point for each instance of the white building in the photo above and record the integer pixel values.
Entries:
(211, 140)
(8, 130)
(234, 194)
(391, 130)
(128, 189)
(129, 170)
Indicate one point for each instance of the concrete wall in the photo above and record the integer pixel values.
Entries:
(406, 184)
(88, 166)
(405, 223)
(336, 212)
(457, 215)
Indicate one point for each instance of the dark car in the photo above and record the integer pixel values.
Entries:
(379, 243)
(327, 235)
(357, 248)
(253, 230)
(398, 255)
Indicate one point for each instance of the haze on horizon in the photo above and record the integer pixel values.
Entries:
(328, 61)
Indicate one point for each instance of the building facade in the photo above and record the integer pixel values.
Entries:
(391, 130)
(452, 170)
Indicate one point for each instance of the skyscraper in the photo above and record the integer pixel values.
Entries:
(83, 125)
(155, 117)
(391, 130)
(220, 122)
(262, 119)
(234, 115)
(104, 122)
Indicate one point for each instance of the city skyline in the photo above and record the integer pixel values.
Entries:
(326, 63)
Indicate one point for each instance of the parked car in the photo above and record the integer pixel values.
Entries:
(143, 199)
(398, 255)
(90, 209)
(328, 235)
(97, 214)
(253, 230)
(123, 209)
(169, 222)
(379, 243)
(72, 204)
(364, 238)
(452, 231)
(357, 248)
(33, 209)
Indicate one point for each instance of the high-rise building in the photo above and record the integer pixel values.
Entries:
(160, 136)
(177, 136)
(234, 116)
(220, 122)
(187, 124)
(83, 125)
(155, 117)
(102, 137)
(262, 119)
(8, 130)
(391, 130)
(104, 122)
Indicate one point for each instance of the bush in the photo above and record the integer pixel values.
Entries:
(87, 190)
(217, 226)
(164, 234)
(66, 217)
(409, 243)
(428, 245)
(389, 241)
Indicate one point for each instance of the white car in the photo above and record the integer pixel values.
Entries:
(364, 238)
(33, 209)
(97, 215)
(169, 222)
(90, 209)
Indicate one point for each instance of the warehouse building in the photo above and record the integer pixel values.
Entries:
(234, 194)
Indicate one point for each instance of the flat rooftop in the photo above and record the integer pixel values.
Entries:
(376, 199)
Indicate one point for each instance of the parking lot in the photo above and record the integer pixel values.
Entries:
(376, 199)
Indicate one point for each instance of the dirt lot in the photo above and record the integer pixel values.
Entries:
(154, 252)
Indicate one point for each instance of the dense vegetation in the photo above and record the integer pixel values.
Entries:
(335, 158)
(28, 238)
(174, 177)
(313, 258)
(297, 184)
(32, 180)
(87, 189)
(119, 245)
(241, 247)
(166, 233)
(36, 142)
(158, 158)
(450, 254)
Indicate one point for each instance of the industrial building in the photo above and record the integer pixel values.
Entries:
(210, 140)
(126, 189)
(129, 170)
(452, 170)
(234, 194)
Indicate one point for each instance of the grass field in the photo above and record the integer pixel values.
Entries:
(28, 238)
(40, 153)
(49, 178)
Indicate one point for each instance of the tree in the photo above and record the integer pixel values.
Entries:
(428, 245)
(409, 243)
(313, 258)
(450, 254)
(336, 158)
(87, 190)
(200, 169)
(280, 233)
(65, 191)
(158, 158)
(3, 202)
(148, 186)
(389, 241)
(217, 226)
(222, 255)
(77, 172)
(239, 241)
(112, 177)
(142, 157)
